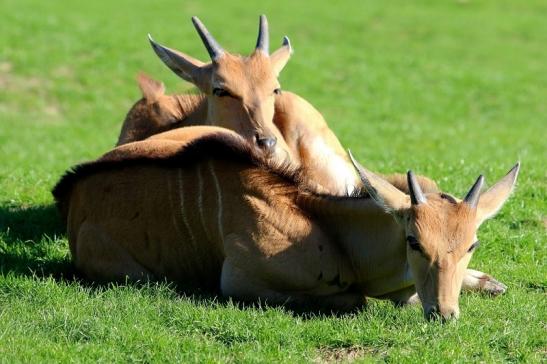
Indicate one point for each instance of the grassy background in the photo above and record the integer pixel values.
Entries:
(451, 89)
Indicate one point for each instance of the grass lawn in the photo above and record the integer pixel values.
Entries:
(450, 89)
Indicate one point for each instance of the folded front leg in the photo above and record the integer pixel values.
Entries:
(241, 285)
(477, 281)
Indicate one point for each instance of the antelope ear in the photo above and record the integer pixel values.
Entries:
(280, 57)
(387, 196)
(491, 201)
(151, 89)
(184, 66)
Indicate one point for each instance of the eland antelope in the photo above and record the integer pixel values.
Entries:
(210, 211)
(243, 94)
(239, 91)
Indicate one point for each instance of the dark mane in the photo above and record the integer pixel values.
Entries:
(217, 146)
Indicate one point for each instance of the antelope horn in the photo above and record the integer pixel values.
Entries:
(214, 49)
(287, 43)
(416, 195)
(263, 40)
(472, 197)
(357, 166)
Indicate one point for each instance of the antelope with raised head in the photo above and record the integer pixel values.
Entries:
(239, 91)
(244, 95)
(210, 211)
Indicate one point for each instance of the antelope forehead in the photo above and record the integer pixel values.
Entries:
(444, 227)
(229, 80)
(244, 79)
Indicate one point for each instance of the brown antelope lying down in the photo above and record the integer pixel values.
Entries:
(211, 212)
(244, 95)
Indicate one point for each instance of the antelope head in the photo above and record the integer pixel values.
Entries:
(240, 90)
(440, 231)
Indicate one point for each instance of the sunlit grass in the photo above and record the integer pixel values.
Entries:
(449, 89)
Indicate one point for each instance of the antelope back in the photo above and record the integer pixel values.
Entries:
(310, 142)
(156, 112)
(168, 202)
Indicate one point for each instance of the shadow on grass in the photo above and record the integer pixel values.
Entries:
(30, 243)
(27, 223)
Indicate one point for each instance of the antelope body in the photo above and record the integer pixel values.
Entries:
(205, 209)
(244, 95)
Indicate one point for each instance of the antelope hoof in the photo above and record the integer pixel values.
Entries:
(492, 286)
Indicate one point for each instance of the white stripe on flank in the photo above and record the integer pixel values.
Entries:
(182, 212)
(219, 201)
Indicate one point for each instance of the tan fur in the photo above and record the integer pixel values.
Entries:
(309, 141)
(156, 112)
(240, 92)
(220, 215)
(243, 94)
(440, 231)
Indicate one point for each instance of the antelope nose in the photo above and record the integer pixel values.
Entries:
(450, 313)
(446, 314)
(267, 143)
(432, 313)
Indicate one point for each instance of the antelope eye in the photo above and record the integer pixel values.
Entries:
(277, 91)
(413, 243)
(220, 92)
(473, 246)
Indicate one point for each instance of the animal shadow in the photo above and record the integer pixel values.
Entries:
(30, 242)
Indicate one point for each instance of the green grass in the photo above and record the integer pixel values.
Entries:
(450, 89)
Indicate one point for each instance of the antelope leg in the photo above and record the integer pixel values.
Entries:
(237, 283)
(402, 297)
(100, 258)
(477, 281)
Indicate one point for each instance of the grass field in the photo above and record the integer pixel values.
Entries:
(450, 89)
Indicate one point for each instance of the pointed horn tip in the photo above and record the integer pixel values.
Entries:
(362, 171)
(356, 164)
(213, 48)
(263, 40)
(410, 175)
(480, 181)
(155, 45)
(352, 158)
(516, 167)
(472, 197)
(197, 23)
(287, 42)
(416, 195)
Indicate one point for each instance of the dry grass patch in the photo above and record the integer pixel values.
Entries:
(347, 354)
(24, 94)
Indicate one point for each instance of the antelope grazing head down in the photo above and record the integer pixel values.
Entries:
(441, 233)
(240, 90)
